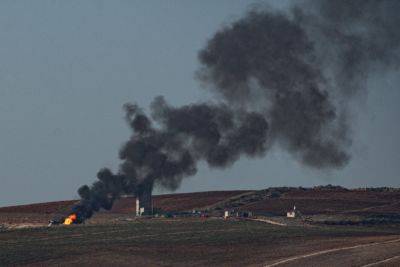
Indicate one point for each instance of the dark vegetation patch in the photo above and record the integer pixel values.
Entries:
(173, 242)
(377, 219)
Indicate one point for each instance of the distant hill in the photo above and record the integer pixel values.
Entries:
(168, 202)
(276, 201)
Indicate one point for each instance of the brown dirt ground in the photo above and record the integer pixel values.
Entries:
(311, 202)
(379, 252)
(236, 251)
(41, 213)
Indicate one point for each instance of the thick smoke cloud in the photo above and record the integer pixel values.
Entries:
(265, 61)
(278, 79)
(353, 38)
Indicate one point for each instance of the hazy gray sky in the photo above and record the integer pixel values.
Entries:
(67, 67)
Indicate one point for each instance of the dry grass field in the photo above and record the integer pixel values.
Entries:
(175, 242)
(117, 238)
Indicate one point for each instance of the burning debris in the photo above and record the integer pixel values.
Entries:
(70, 219)
(279, 79)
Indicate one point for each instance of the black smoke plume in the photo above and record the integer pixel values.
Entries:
(278, 79)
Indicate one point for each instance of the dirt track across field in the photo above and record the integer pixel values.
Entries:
(340, 228)
(385, 253)
(268, 221)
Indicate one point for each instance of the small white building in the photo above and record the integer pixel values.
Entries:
(292, 213)
(140, 210)
(226, 214)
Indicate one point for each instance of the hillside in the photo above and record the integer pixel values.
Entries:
(353, 227)
(168, 202)
(270, 202)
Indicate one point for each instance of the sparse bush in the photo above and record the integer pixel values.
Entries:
(275, 194)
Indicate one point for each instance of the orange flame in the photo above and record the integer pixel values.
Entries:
(70, 219)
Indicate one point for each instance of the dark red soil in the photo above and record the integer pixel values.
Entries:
(312, 202)
(48, 207)
(177, 202)
(170, 202)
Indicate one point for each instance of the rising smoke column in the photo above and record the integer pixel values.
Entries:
(164, 155)
(277, 79)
